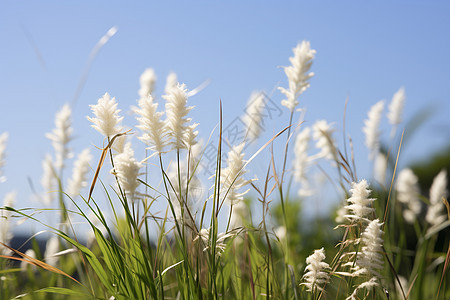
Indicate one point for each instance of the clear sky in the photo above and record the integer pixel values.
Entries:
(366, 50)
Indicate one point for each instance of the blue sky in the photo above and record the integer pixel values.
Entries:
(365, 51)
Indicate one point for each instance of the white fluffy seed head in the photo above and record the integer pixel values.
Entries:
(407, 189)
(48, 180)
(232, 177)
(204, 236)
(127, 170)
(298, 74)
(5, 222)
(107, 119)
(396, 107)
(80, 170)
(176, 112)
(61, 135)
(301, 154)
(52, 248)
(185, 193)
(360, 205)
(436, 211)
(323, 135)
(380, 167)
(316, 274)
(154, 130)
(371, 129)
(119, 143)
(3, 141)
(253, 117)
(368, 285)
(438, 188)
(280, 232)
(370, 260)
(24, 266)
(171, 82)
(239, 215)
(147, 83)
(341, 213)
(190, 135)
(187, 186)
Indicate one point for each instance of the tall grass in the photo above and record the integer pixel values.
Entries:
(170, 232)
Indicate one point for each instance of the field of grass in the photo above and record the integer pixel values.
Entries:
(164, 237)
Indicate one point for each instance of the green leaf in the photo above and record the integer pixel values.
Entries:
(94, 262)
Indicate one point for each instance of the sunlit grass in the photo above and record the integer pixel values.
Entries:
(178, 234)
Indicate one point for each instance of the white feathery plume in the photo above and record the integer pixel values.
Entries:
(5, 222)
(61, 136)
(147, 82)
(171, 82)
(48, 180)
(239, 213)
(436, 214)
(297, 74)
(360, 205)
(79, 173)
(196, 152)
(396, 109)
(127, 170)
(323, 134)
(51, 249)
(119, 143)
(370, 284)
(369, 260)
(204, 235)
(187, 191)
(316, 276)
(313, 186)
(3, 140)
(380, 167)
(301, 162)
(341, 213)
(190, 135)
(408, 192)
(153, 128)
(280, 232)
(232, 177)
(181, 183)
(107, 119)
(301, 154)
(176, 112)
(371, 128)
(24, 265)
(192, 166)
(401, 287)
(183, 202)
(253, 116)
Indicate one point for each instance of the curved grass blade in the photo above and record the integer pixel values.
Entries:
(102, 160)
(36, 262)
